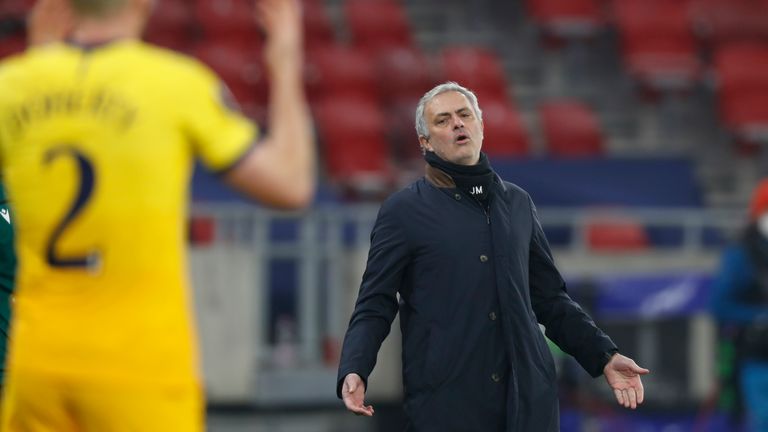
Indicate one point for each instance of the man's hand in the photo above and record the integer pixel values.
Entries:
(49, 21)
(281, 21)
(353, 394)
(623, 375)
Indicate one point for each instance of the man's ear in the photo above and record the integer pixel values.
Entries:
(424, 144)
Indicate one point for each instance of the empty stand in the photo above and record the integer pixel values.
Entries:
(570, 129)
(12, 45)
(376, 24)
(228, 22)
(568, 19)
(615, 235)
(476, 68)
(352, 133)
(743, 88)
(503, 129)
(338, 71)
(318, 29)
(726, 21)
(242, 70)
(171, 25)
(404, 73)
(658, 46)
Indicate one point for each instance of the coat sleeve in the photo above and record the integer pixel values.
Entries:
(377, 302)
(565, 321)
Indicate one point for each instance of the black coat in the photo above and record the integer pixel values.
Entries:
(473, 285)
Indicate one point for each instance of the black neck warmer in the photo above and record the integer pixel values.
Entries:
(476, 180)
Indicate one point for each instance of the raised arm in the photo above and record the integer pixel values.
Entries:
(280, 170)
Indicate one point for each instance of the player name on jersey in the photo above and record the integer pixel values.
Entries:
(102, 104)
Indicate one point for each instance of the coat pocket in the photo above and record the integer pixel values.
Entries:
(439, 358)
(547, 364)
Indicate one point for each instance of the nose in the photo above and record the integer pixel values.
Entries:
(457, 122)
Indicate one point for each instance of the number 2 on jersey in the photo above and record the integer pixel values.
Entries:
(85, 189)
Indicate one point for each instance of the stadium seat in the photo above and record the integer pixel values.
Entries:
(15, 8)
(476, 68)
(504, 132)
(242, 71)
(337, 71)
(616, 235)
(352, 133)
(742, 88)
(727, 21)
(170, 25)
(658, 47)
(401, 131)
(228, 21)
(202, 231)
(377, 24)
(12, 45)
(567, 19)
(403, 73)
(570, 129)
(318, 29)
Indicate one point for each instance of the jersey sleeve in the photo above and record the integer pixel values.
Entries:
(220, 133)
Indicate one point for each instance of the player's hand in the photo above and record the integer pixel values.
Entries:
(353, 394)
(623, 375)
(281, 21)
(49, 21)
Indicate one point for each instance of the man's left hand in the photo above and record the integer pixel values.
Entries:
(623, 375)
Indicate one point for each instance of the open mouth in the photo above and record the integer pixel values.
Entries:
(462, 139)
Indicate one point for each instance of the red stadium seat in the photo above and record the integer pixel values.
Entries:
(476, 68)
(15, 8)
(726, 21)
(228, 21)
(170, 25)
(570, 129)
(567, 19)
(658, 46)
(336, 71)
(503, 130)
(401, 130)
(12, 45)
(377, 24)
(243, 72)
(403, 73)
(352, 133)
(318, 29)
(202, 231)
(743, 88)
(616, 235)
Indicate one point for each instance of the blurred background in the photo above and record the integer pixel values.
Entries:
(639, 127)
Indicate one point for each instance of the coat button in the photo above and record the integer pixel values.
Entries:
(483, 258)
(457, 196)
(492, 316)
(495, 377)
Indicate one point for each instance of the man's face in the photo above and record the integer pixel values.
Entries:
(455, 132)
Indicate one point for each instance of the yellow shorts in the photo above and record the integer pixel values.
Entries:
(34, 403)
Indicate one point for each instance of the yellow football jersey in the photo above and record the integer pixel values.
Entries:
(97, 146)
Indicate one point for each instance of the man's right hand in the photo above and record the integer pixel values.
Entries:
(353, 394)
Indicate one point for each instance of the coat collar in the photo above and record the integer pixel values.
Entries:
(439, 178)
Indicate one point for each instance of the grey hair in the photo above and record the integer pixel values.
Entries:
(96, 7)
(421, 123)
